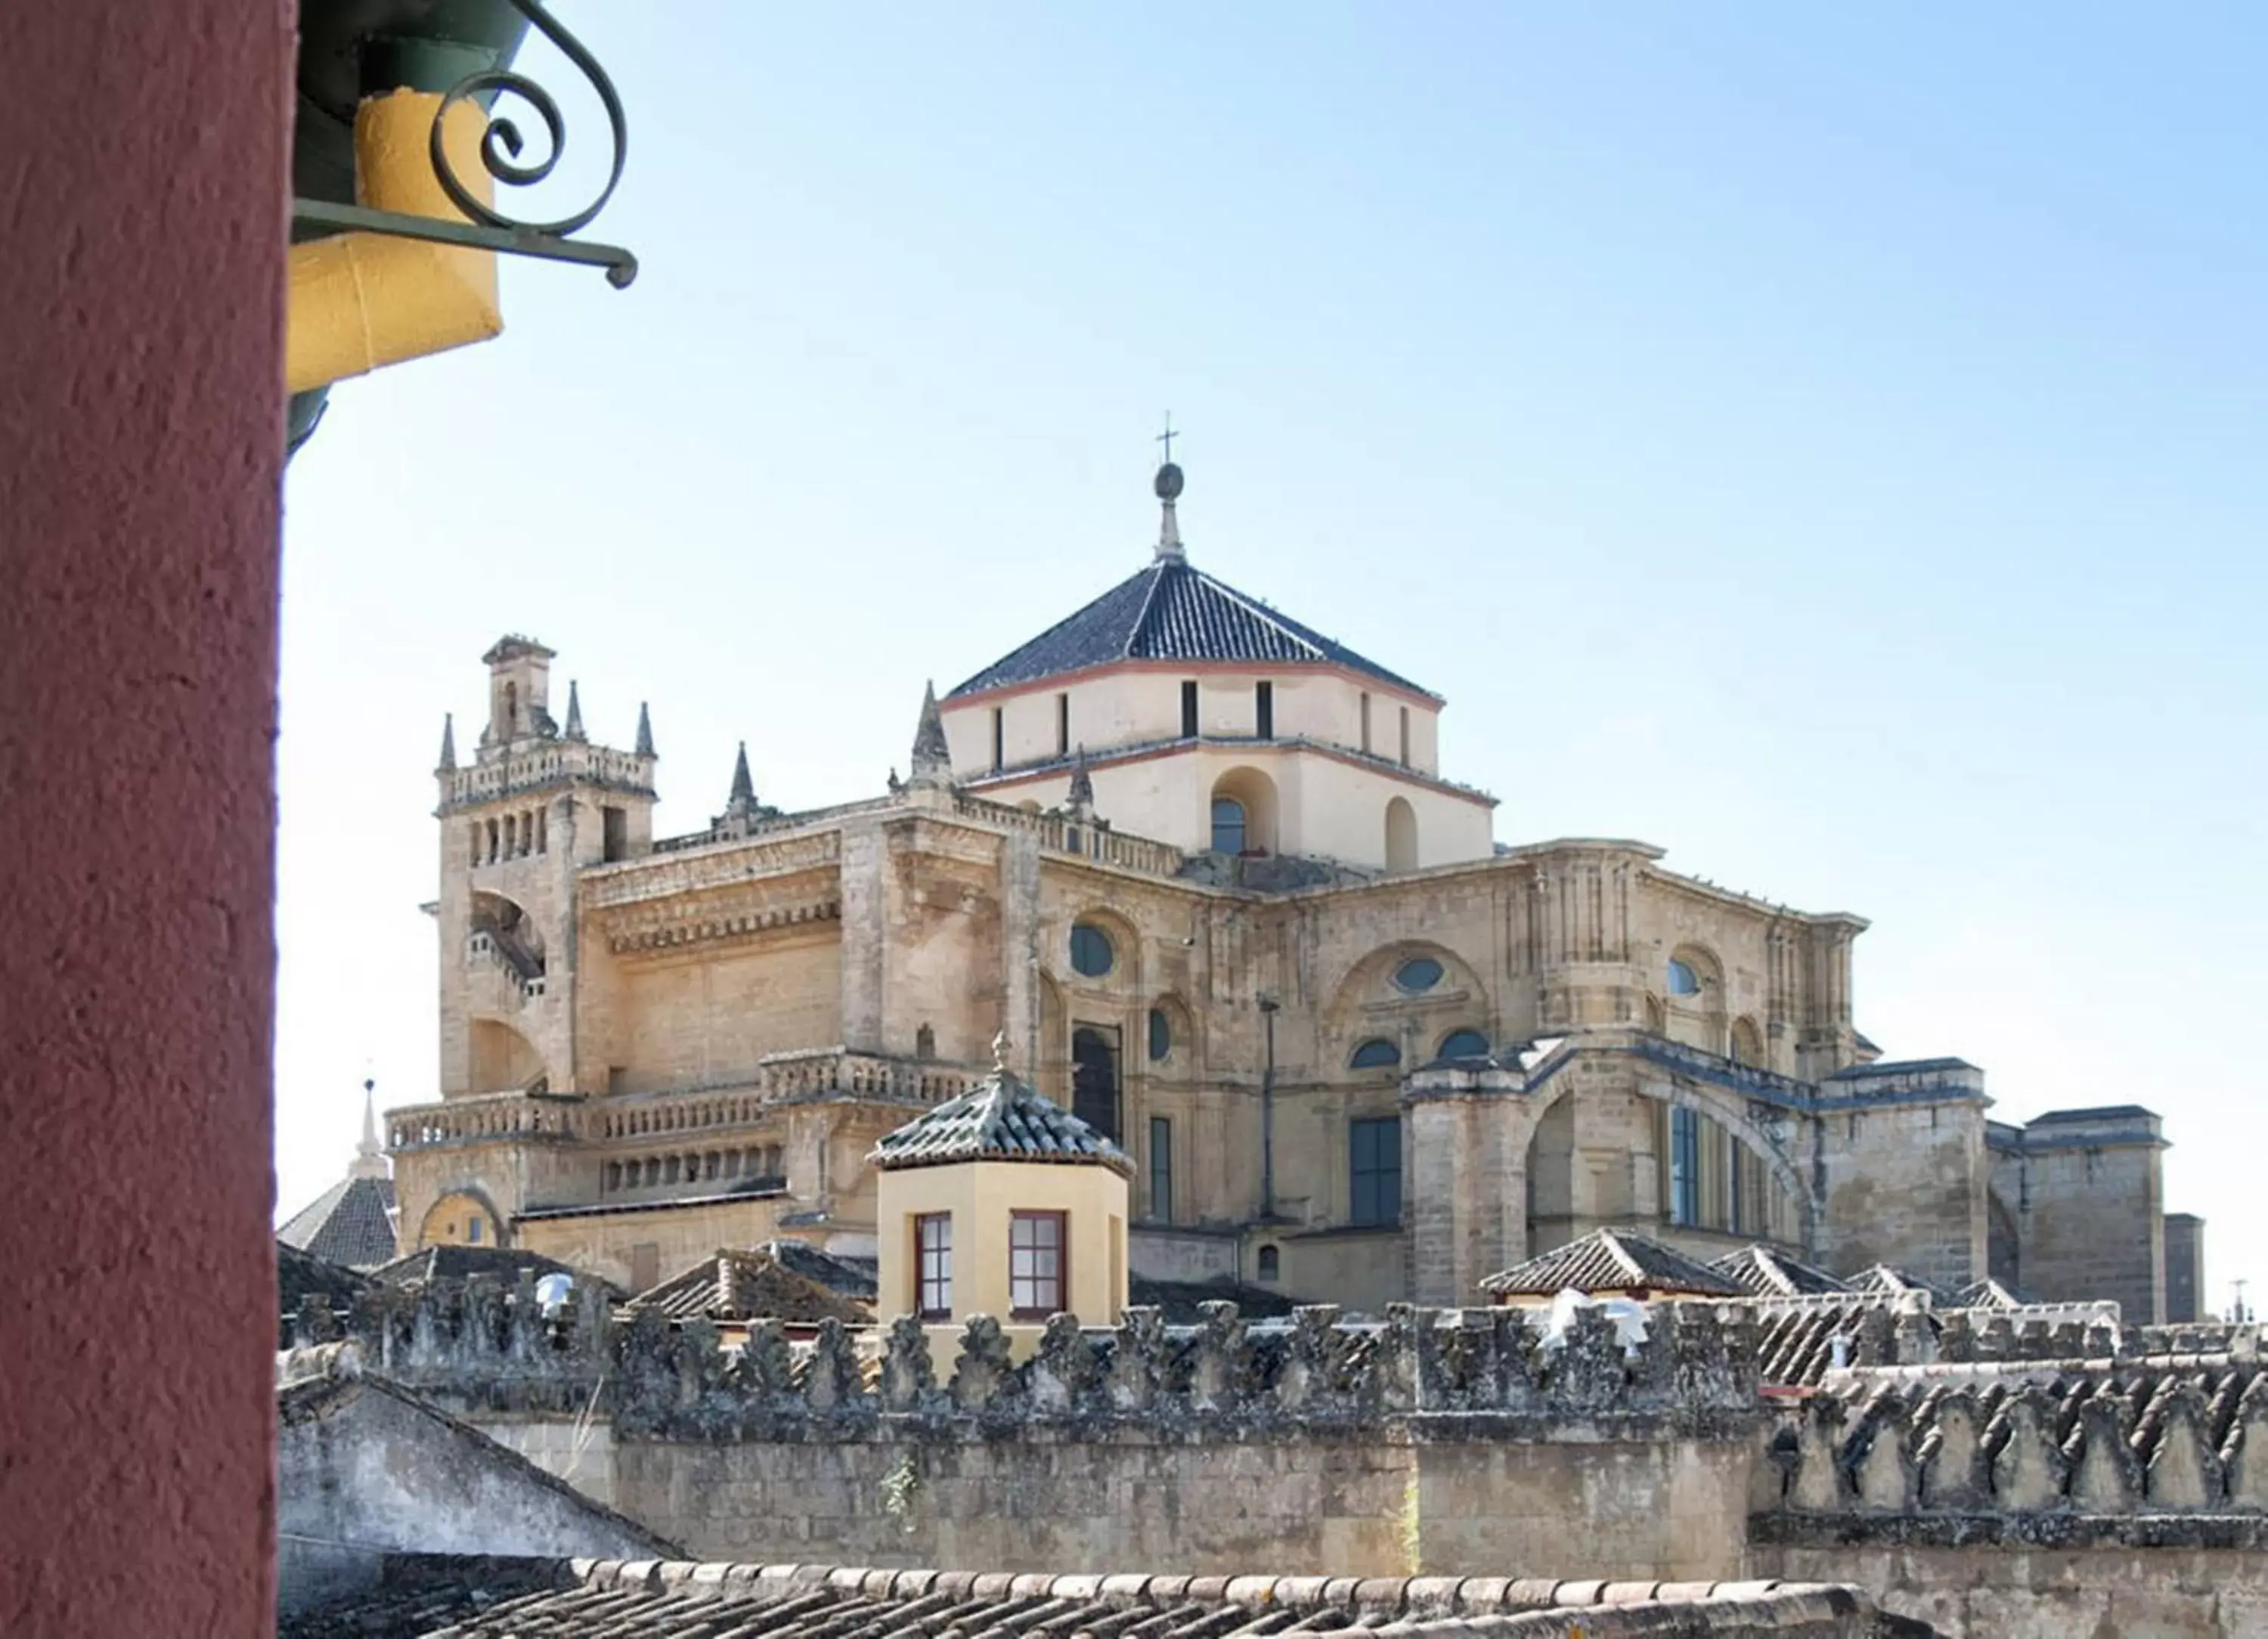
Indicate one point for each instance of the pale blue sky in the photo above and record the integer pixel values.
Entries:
(1825, 444)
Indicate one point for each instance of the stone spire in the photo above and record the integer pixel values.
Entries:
(574, 730)
(933, 760)
(1082, 785)
(743, 795)
(370, 1155)
(1169, 485)
(646, 732)
(448, 741)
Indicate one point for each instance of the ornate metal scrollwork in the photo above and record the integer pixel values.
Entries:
(501, 142)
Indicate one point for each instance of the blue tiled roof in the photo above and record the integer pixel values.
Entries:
(1171, 611)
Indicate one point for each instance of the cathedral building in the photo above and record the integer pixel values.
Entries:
(1202, 869)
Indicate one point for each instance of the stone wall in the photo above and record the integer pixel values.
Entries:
(1450, 1438)
(2020, 1497)
(2085, 1189)
(363, 1468)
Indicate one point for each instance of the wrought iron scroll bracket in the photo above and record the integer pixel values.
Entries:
(620, 265)
(501, 142)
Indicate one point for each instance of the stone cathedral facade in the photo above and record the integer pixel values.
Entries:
(1201, 868)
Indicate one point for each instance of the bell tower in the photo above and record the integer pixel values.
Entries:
(520, 693)
(539, 802)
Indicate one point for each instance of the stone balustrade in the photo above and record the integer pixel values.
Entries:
(534, 770)
(516, 1117)
(810, 1075)
(1060, 833)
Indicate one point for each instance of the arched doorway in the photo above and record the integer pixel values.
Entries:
(1094, 1079)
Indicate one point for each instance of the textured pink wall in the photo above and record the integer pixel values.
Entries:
(144, 167)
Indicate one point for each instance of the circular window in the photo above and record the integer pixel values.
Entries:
(1090, 950)
(1464, 1044)
(1161, 1035)
(1376, 1054)
(1682, 980)
(1419, 973)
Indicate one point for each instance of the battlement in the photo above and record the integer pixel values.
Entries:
(483, 1348)
(2063, 1452)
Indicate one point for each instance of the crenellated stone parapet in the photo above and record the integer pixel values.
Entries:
(2026, 1450)
(1417, 1375)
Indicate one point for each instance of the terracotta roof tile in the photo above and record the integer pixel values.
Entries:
(1612, 1260)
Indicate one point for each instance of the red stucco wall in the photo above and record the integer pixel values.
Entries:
(143, 181)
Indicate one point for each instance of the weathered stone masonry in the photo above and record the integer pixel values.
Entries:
(1435, 1436)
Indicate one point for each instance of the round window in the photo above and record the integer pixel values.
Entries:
(1419, 973)
(1090, 950)
(1376, 1054)
(1161, 1035)
(1682, 980)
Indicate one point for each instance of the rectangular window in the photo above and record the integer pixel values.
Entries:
(614, 832)
(1736, 1211)
(1063, 725)
(1405, 737)
(1036, 1286)
(473, 1227)
(933, 1266)
(1190, 709)
(1365, 722)
(1374, 1164)
(1263, 711)
(1685, 1167)
(999, 741)
(1161, 1169)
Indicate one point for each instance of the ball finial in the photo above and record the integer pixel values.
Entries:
(1168, 484)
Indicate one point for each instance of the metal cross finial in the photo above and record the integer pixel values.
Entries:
(1167, 437)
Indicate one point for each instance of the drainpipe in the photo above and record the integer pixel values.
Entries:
(1268, 1116)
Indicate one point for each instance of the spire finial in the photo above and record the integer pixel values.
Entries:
(644, 732)
(743, 796)
(448, 741)
(574, 730)
(370, 1155)
(1169, 487)
(933, 758)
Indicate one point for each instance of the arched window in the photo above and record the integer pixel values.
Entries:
(1161, 1035)
(1090, 950)
(1227, 826)
(1682, 980)
(1270, 1262)
(1094, 1082)
(1376, 1054)
(1400, 835)
(924, 1043)
(1464, 1044)
(1419, 975)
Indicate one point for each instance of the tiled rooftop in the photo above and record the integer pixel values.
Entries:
(1766, 1272)
(1171, 612)
(1612, 1260)
(428, 1597)
(352, 1223)
(749, 1286)
(1002, 1118)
